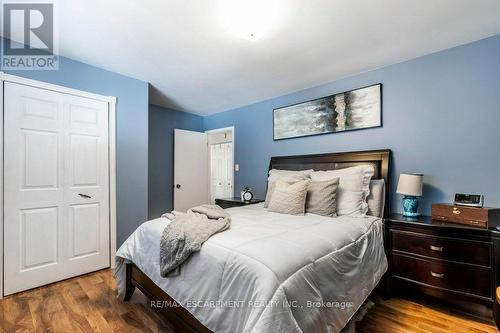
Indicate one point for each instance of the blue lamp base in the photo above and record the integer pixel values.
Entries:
(410, 206)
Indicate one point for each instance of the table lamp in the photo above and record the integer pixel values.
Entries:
(410, 185)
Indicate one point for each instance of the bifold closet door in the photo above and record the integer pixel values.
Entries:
(56, 188)
(221, 168)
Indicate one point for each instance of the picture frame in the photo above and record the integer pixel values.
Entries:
(351, 110)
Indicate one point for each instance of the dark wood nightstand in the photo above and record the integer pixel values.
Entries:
(235, 202)
(457, 265)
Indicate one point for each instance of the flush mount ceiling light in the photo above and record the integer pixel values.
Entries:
(250, 19)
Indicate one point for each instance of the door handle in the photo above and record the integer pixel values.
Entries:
(178, 185)
(84, 196)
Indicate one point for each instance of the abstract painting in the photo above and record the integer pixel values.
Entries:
(350, 110)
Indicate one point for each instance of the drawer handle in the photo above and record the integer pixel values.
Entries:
(474, 222)
(436, 248)
(456, 211)
(437, 275)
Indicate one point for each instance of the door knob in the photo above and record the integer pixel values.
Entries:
(178, 185)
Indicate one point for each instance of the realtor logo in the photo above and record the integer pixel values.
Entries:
(28, 32)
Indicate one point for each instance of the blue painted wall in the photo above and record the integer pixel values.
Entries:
(132, 132)
(162, 123)
(441, 116)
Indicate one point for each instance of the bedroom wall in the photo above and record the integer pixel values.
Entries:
(441, 117)
(162, 123)
(132, 132)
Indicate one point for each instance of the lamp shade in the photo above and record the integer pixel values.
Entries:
(410, 184)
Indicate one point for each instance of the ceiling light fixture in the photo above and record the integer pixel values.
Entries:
(250, 19)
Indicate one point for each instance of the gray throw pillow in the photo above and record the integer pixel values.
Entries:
(289, 176)
(289, 198)
(322, 197)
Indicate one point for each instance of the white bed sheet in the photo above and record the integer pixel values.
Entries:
(269, 272)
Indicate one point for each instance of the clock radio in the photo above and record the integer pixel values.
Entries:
(471, 200)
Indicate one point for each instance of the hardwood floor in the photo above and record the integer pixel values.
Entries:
(399, 315)
(89, 304)
(83, 304)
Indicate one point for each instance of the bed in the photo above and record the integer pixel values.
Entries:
(269, 272)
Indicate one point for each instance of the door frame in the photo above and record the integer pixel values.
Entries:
(111, 100)
(223, 129)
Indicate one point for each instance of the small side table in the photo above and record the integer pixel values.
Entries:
(235, 202)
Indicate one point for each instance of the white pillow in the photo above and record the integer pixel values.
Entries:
(288, 175)
(355, 178)
(351, 203)
(353, 189)
(376, 199)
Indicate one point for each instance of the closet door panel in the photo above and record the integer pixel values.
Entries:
(39, 244)
(39, 159)
(56, 186)
(33, 189)
(86, 185)
(228, 160)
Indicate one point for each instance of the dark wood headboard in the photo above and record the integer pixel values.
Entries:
(380, 160)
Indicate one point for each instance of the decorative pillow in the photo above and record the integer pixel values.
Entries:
(288, 175)
(285, 175)
(289, 198)
(355, 178)
(376, 199)
(351, 203)
(322, 198)
(269, 194)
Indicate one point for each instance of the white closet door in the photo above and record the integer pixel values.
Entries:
(55, 146)
(33, 189)
(216, 171)
(86, 185)
(221, 165)
(228, 161)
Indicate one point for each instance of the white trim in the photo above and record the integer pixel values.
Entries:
(223, 129)
(112, 155)
(53, 87)
(1, 185)
(112, 182)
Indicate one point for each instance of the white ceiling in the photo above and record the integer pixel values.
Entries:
(195, 63)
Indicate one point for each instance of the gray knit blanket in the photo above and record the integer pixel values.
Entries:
(187, 232)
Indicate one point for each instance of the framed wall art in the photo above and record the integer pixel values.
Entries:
(351, 110)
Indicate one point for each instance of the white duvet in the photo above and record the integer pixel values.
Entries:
(269, 272)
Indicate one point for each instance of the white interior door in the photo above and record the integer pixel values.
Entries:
(55, 148)
(190, 169)
(221, 170)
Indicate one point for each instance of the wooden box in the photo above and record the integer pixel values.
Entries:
(485, 217)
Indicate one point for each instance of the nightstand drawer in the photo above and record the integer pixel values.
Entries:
(452, 276)
(472, 252)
